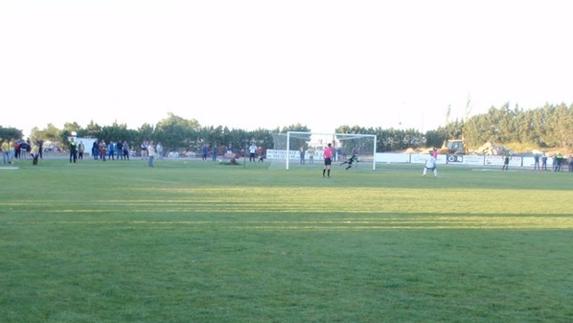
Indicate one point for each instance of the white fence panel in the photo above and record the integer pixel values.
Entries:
(281, 154)
(392, 158)
(473, 160)
(419, 158)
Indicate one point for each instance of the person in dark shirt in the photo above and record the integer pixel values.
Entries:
(41, 149)
(505, 162)
(205, 151)
(119, 150)
(81, 149)
(557, 160)
(350, 161)
(73, 150)
(214, 152)
(95, 150)
(125, 150)
(536, 162)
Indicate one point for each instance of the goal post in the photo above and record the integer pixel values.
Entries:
(299, 148)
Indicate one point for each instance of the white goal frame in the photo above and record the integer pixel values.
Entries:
(347, 135)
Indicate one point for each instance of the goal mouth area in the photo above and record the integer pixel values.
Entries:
(297, 148)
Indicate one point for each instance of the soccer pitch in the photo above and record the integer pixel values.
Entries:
(202, 242)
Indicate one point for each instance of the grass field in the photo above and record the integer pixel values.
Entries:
(199, 242)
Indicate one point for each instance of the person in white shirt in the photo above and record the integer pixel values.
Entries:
(252, 152)
(431, 165)
(159, 150)
(150, 154)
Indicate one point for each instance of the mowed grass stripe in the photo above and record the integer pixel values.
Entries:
(356, 199)
(412, 223)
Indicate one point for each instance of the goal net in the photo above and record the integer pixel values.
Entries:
(304, 149)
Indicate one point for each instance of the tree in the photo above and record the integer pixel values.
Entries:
(299, 140)
(117, 132)
(92, 130)
(435, 138)
(262, 137)
(548, 126)
(69, 129)
(10, 133)
(145, 132)
(175, 132)
(295, 127)
(50, 133)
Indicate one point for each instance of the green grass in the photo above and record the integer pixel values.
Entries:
(120, 242)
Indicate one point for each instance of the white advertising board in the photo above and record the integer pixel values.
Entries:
(474, 160)
(419, 158)
(494, 160)
(281, 154)
(530, 161)
(441, 159)
(422, 158)
(88, 143)
(515, 162)
(455, 159)
(392, 158)
(498, 161)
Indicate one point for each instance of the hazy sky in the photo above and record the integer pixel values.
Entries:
(266, 63)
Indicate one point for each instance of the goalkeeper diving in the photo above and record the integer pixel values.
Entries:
(350, 161)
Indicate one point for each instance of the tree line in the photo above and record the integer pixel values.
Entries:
(550, 126)
(174, 132)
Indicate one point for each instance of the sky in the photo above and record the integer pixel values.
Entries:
(262, 64)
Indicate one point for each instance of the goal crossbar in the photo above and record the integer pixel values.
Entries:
(351, 135)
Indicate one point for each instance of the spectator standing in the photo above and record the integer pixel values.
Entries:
(73, 150)
(111, 151)
(125, 148)
(143, 147)
(536, 162)
(554, 164)
(301, 155)
(12, 150)
(95, 150)
(505, 162)
(544, 162)
(252, 153)
(81, 149)
(150, 154)
(17, 149)
(119, 150)
(560, 161)
(159, 150)
(102, 150)
(214, 152)
(204, 151)
(6, 150)
(41, 148)
(28, 147)
(21, 151)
